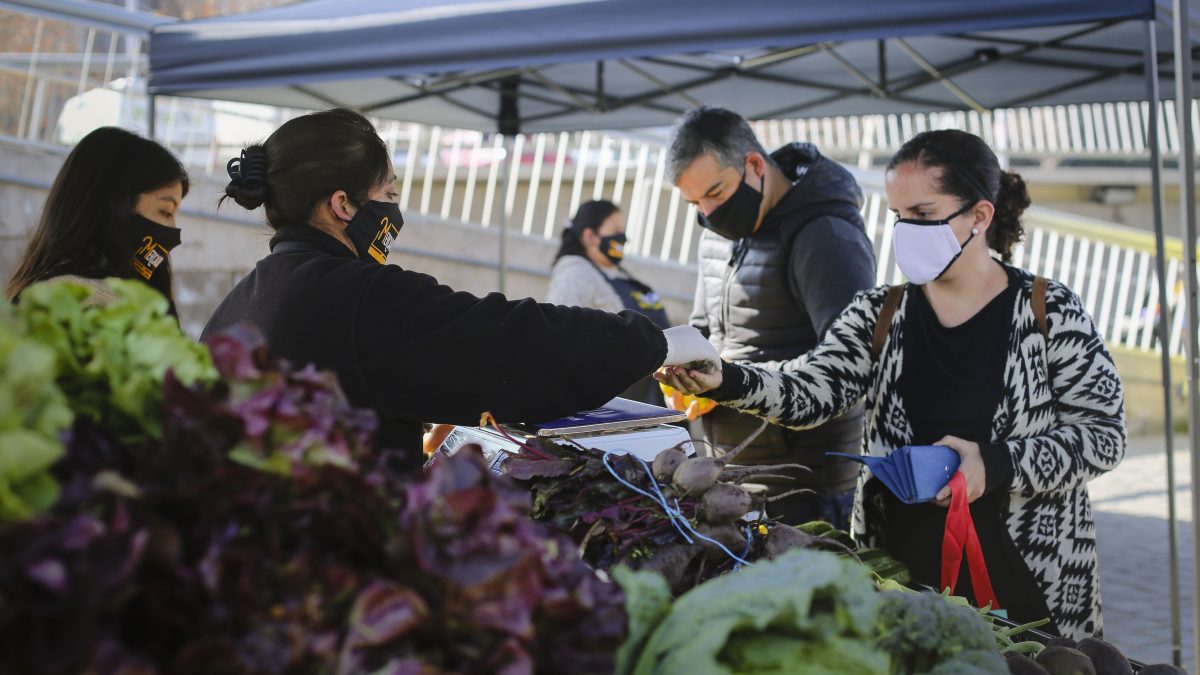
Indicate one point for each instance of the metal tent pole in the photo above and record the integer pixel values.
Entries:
(1160, 268)
(504, 178)
(508, 122)
(1187, 212)
(152, 116)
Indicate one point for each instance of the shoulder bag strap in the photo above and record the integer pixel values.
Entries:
(891, 302)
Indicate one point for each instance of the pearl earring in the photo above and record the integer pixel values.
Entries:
(974, 230)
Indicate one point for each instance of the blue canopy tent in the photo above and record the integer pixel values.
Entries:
(512, 66)
(552, 65)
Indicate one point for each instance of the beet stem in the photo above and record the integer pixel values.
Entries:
(790, 493)
(729, 456)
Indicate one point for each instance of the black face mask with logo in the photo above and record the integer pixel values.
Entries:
(374, 229)
(613, 247)
(152, 244)
(736, 217)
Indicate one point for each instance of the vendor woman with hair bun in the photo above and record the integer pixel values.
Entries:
(402, 344)
(1005, 368)
(588, 273)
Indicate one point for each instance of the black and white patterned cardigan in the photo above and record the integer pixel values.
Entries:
(1058, 437)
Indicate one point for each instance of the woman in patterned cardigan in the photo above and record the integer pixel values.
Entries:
(1035, 410)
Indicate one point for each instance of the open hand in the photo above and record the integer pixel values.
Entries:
(690, 380)
(971, 466)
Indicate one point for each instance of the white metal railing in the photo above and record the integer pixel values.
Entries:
(86, 77)
(1099, 131)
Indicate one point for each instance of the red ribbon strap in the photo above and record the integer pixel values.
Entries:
(960, 535)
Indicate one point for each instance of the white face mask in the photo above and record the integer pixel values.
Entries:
(925, 249)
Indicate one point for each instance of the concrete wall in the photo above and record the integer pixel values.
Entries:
(1141, 375)
(1138, 213)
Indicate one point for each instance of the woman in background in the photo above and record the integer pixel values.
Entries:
(110, 213)
(588, 273)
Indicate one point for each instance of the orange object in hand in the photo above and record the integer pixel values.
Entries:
(434, 437)
(691, 405)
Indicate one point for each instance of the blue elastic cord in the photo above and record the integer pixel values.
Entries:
(662, 501)
(673, 513)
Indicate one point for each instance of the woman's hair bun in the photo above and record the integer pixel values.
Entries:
(1011, 201)
(248, 178)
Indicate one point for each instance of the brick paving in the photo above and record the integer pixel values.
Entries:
(1130, 508)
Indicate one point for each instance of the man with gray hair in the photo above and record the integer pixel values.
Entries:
(782, 253)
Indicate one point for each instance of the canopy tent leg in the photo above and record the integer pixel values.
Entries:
(506, 169)
(508, 123)
(1187, 212)
(1160, 268)
(152, 116)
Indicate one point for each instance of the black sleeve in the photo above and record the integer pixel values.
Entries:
(831, 260)
(432, 354)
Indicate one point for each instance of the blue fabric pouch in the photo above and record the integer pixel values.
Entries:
(914, 473)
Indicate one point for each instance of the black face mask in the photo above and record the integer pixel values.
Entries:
(152, 243)
(737, 216)
(613, 247)
(374, 228)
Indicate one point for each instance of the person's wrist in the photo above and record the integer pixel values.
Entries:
(997, 466)
(733, 383)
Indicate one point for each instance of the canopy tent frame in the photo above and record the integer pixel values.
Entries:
(574, 100)
(517, 83)
(1160, 271)
(529, 83)
(570, 100)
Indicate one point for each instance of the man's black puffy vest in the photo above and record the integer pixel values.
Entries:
(753, 315)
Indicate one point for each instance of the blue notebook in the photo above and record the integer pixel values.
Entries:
(914, 473)
(617, 414)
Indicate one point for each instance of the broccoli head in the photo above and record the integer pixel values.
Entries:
(922, 631)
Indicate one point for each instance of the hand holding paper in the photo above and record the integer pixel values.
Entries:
(686, 346)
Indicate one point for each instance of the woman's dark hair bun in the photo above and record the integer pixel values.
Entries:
(1011, 201)
(248, 178)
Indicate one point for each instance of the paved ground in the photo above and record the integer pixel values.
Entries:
(1130, 507)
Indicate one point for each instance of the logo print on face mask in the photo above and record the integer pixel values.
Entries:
(613, 247)
(147, 258)
(383, 240)
(374, 229)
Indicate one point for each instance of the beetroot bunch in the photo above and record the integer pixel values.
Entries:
(620, 511)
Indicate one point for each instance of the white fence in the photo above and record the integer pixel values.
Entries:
(1100, 131)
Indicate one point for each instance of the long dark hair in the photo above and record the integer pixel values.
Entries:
(90, 206)
(971, 172)
(590, 216)
(306, 160)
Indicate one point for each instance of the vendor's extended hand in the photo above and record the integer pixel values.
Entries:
(690, 380)
(971, 467)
